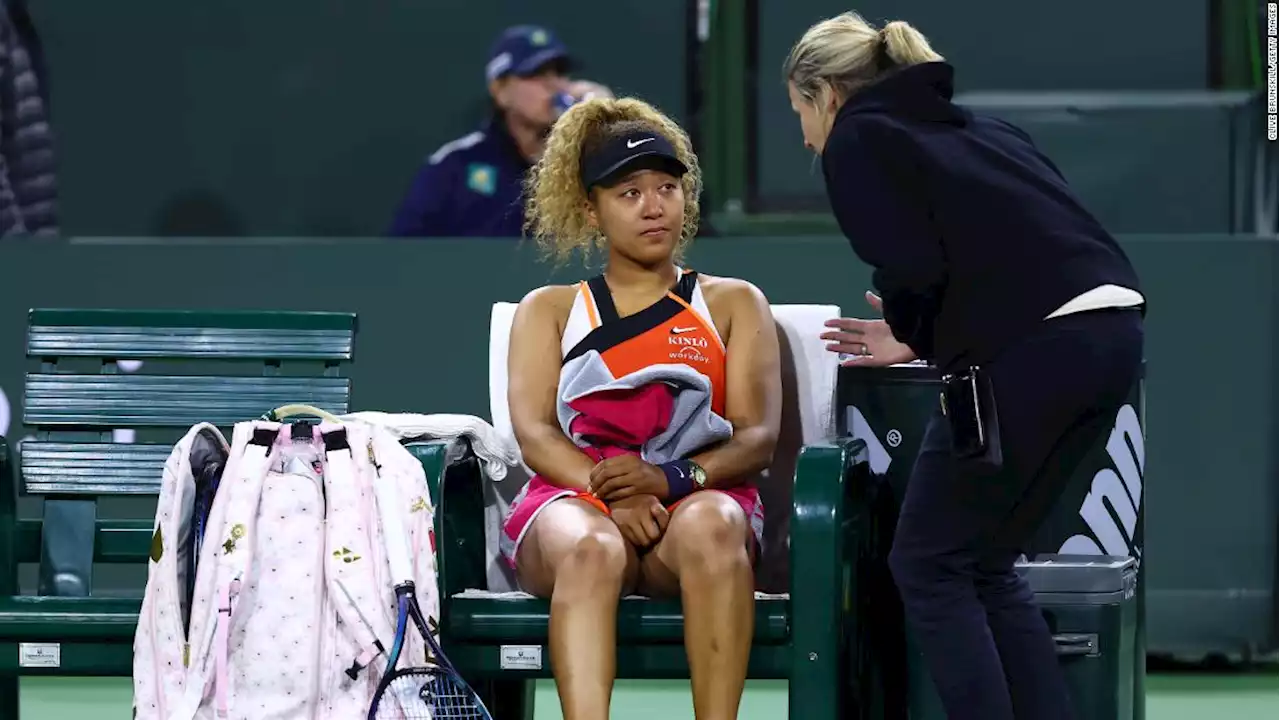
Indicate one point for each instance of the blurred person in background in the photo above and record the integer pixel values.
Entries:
(471, 186)
(28, 184)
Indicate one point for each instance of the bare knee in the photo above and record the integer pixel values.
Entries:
(595, 561)
(710, 538)
(572, 547)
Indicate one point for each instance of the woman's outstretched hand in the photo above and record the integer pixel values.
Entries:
(867, 343)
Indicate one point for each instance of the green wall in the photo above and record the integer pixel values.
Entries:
(309, 117)
(294, 117)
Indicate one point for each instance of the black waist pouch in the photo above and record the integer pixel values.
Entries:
(969, 404)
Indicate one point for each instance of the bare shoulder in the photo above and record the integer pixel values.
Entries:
(731, 293)
(733, 301)
(550, 298)
(548, 303)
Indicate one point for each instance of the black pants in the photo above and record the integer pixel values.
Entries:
(960, 531)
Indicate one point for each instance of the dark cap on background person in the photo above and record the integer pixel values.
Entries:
(524, 50)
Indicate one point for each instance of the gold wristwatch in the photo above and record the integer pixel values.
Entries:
(699, 475)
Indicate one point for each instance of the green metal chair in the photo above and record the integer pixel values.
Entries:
(217, 367)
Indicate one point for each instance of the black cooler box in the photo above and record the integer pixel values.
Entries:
(1100, 514)
(1091, 604)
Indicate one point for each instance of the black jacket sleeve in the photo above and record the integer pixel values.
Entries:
(879, 197)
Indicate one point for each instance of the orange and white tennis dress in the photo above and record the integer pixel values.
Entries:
(677, 329)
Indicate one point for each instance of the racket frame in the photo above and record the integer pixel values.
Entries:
(396, 540)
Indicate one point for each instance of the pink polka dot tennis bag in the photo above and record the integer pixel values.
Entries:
(277, 604)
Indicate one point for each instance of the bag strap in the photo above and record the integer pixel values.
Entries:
(349, 561)
(252, 453)
(237, 548)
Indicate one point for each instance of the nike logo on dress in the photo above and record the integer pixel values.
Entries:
(678, 330)
(631, 145)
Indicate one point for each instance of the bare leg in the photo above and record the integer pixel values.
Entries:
(704, 556)
(575, 555)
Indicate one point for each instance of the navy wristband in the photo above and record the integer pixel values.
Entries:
(679, 478)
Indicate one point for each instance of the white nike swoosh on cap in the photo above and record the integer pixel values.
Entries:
(637, 143)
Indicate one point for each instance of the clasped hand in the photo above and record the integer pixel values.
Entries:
(633, 490)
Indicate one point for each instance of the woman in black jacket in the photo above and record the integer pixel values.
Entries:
(987, 265)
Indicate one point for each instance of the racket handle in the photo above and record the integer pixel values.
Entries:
(394, 536)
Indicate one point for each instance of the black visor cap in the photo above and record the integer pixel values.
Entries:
(625, 154)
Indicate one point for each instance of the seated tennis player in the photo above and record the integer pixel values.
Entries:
(646, 400)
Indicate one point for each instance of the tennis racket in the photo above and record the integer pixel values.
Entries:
(435, 691)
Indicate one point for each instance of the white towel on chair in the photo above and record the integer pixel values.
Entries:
(496, 455)
(815, 367)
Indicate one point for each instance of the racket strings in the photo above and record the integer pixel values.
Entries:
(425, 694)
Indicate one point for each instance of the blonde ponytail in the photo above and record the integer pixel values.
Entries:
(906, 45)
(843, 54)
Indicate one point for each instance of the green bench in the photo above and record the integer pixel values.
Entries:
(807, 637)
(803, 637)
(217, 367)
(498, 640)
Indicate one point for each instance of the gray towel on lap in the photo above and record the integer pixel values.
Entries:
(693, 424)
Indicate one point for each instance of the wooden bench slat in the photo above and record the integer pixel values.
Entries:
(189, 342)
(29, 618)
(501, 619)
(116, 542)
(123, 541)
(171, 401)
(65, 468)
(234, 319)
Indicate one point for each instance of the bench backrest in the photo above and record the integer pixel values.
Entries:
(809, 385)
(92, 398)
(76, 413)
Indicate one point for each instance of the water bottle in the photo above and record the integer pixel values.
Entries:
(561, 102)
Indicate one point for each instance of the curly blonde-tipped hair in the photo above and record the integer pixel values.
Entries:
(555, 208)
